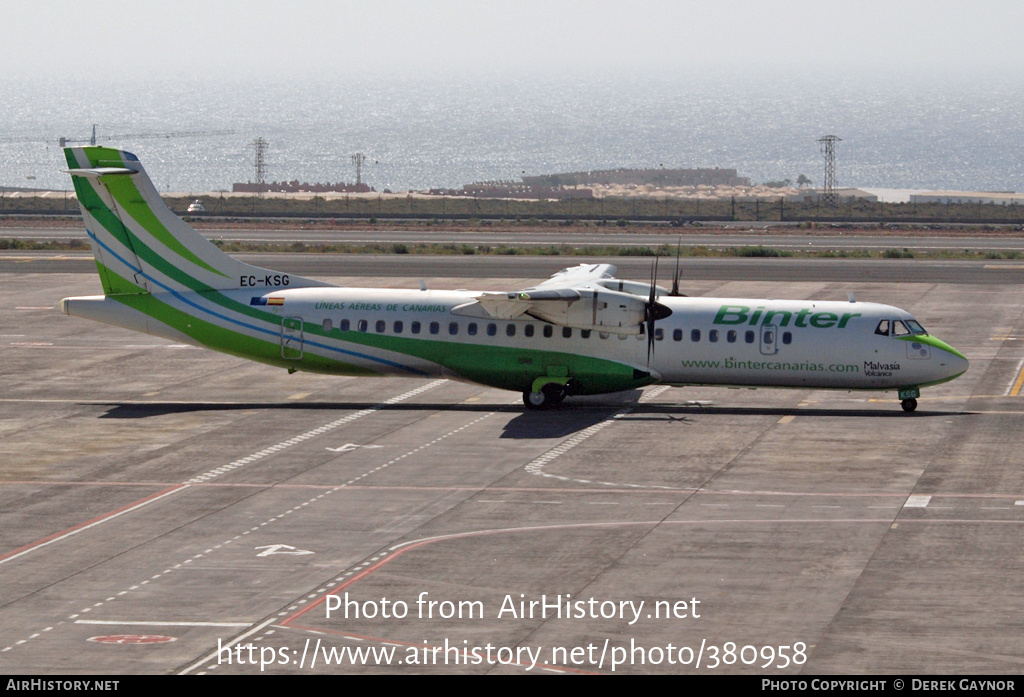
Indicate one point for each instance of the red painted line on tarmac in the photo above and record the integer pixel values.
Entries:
(505, 531)
(60, 482)
(442, 538)
(463, 649)
(287, 622)
(88, 524)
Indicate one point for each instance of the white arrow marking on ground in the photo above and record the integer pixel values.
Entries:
(351, 446)
(280, 549)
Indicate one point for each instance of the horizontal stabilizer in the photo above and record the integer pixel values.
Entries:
(97, 172)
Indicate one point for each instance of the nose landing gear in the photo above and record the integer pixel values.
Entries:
(908, 397)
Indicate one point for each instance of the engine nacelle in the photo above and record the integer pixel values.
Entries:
(600, 310)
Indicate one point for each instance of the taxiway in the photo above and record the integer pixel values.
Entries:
(165, 509)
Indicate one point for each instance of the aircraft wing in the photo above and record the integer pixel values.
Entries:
(575, 275)
(587, 296)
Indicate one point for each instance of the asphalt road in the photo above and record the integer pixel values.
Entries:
(538, 267)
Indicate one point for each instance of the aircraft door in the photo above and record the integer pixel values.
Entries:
(769, 339)
(291, 338)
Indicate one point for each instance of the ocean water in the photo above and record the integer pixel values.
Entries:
(933, 132)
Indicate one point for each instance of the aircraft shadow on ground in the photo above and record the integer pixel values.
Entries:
(563, 420)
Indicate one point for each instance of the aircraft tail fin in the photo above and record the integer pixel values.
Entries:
(140, 245)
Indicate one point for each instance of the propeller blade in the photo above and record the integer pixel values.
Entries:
(675, 277)
(650, 311)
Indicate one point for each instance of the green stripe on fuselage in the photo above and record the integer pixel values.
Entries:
(507, 367)
(235, 343)
(497, 366)
(931, 341)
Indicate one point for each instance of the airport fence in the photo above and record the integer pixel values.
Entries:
(604, 211)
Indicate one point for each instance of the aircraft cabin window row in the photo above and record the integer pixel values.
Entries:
(415, 327)
(897, 327)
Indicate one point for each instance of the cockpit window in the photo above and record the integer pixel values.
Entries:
(899, 329)
(883, 328)
(915, 327)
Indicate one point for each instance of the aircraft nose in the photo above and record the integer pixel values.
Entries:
(956, 363)
(959, 364)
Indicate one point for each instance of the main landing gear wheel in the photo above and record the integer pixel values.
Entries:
(549, 395)
(909, 405)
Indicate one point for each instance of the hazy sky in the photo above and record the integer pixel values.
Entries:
(213, 38)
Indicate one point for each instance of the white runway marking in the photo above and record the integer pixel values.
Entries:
(213, 655)
(917, 501)
(242, 462)
(93, 524)
(537, 466)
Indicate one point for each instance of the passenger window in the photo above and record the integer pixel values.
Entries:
(548, 331)
(380, 325)
(713, 336)
(694, 335)
(398, 326)
(435, 327)
(510, 329)
(659, 334)
(566, 332)
(362, 325)
(749, 336)
(787, 337)
(327, 325)
(344, 326)
(492, 329)
(585, 333)
(528, 330)
(603, 335)
(730, 336)
(471, 329)
(415, 327)
(883, 328)
(677, 335)
(453, 328)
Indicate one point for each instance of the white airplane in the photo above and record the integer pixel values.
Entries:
(581, 332)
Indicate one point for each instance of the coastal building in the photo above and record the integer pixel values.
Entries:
(660, 176)
(296, 187)
(1002, 198)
